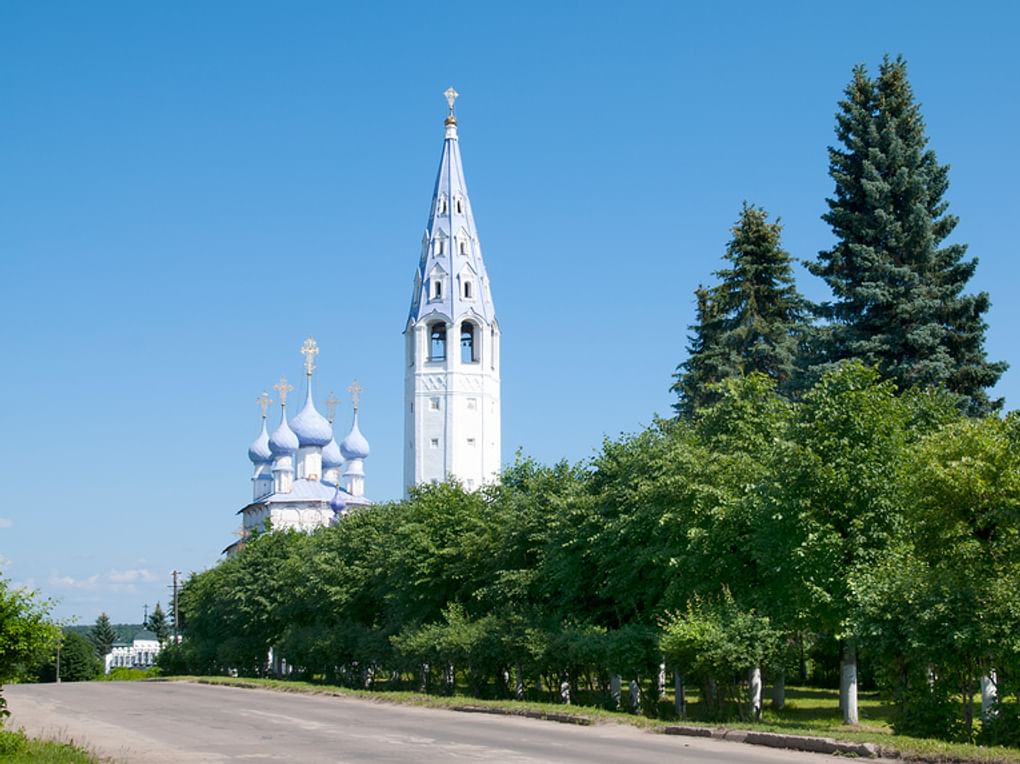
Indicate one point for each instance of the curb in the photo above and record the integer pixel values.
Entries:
(551, 717)
(777, 740)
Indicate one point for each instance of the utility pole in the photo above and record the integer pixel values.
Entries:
(176, 635)
(58, 655)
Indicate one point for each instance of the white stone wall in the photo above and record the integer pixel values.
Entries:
(452, 408)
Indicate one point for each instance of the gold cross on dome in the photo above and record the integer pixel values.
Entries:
(283, 389)
(355, 391)
(451, 96)
(264, 402)
(309, 350)
(331, 403)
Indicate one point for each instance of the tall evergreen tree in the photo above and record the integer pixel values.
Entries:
(899, 302)
(752, 321)
(703, 365)
(158, 624)
(103, 635)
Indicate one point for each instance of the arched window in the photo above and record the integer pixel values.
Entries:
(460, 207)
(467, 290)
(463, 247)
(467, 343)
(442, 205)
(437, 343)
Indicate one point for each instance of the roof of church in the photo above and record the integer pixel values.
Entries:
(355, 446)
(311, 427)
(308, 490)
(145, 634)
(450, 227)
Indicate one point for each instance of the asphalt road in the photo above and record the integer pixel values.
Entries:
(179, 722)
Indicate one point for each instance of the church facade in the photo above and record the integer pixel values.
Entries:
(451, 341)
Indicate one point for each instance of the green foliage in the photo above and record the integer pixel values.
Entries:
(25, 635)
(78, 661)
(752, 321)
(899, 290)
(158, 625)
(103, 635)
(715, 643)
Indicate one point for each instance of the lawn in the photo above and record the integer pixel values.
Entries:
(15, 747)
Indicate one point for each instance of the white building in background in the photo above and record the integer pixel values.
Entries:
(304, 479)
(451, 383)
(140, 653)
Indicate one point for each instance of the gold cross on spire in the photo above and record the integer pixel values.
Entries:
(331, 403)
(283, 389)
(309, 350)
(451, 96)
(265, 402)
(355, 391)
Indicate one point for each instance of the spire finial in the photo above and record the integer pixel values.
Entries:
(283, 388)
(264, 402)
(355, 391)
(309, 350)
(331, 403)
(451, 96)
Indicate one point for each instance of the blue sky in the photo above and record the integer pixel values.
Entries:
(190, 189)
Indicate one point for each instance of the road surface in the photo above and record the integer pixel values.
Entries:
(177, 722)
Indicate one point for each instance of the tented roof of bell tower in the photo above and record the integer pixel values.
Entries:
(451, 243)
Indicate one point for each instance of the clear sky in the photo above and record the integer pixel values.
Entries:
(189, 189)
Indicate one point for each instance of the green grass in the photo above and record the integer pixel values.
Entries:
(122, 674)
(16, 747)
(808, 711)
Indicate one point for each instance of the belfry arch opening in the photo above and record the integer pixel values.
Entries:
(437, 342)
(468, 344)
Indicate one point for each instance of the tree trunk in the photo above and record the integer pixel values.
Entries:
(614, 691)
(967, 691)
(679, 695)
(635, 696)
(565, 689)
(519, 682)
(848, 683)
(989, 695)
(660, 686)
(754, 694)
(779, 691)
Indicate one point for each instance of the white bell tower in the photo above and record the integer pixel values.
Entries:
(451, 384)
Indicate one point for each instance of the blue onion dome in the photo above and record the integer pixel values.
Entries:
(337, 503)
(258, 451)
(354, 446)
(311, 427)
(331, 456)
(283, 441)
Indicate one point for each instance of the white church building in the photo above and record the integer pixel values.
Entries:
(304, 479)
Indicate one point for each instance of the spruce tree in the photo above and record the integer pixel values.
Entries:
(158, 625)
(102, 635)
(752, 321)
(899, 302)
(704, 364)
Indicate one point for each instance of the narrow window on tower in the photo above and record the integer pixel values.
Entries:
(463, 247)
(467, 290)
(467, 342)
(437, 290)
(460, 207)
(437, 345)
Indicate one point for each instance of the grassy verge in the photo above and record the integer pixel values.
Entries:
(16, 747)
(808, 712)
